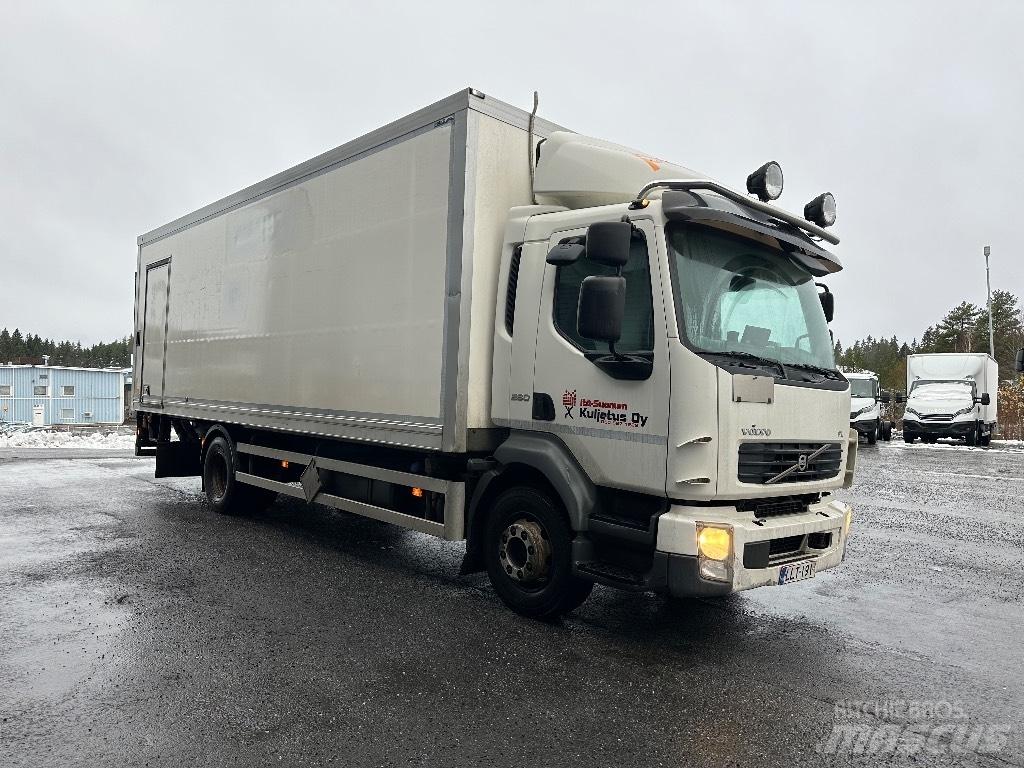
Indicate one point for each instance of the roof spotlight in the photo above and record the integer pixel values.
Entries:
(821, 210)
(766, 182)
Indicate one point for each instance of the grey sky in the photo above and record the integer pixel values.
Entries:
(118, 117)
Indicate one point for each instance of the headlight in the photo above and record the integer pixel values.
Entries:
(863, 410)
(962, 411)
(714, 543)
(912, 412)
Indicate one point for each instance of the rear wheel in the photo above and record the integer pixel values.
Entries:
(225, 494)
(528, 550)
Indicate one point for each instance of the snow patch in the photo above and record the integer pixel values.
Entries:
(85, 440)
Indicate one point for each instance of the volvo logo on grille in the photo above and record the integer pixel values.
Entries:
(803, 461)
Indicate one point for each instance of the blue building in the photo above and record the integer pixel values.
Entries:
(49, 395)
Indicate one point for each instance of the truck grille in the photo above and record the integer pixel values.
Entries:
(760, 462)
(780, 505)
(937, 417)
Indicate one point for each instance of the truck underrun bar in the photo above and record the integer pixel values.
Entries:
(454, 492)
(740, 199)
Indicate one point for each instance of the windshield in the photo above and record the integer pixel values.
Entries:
(924, 391)
(862, 387)
(737, 295)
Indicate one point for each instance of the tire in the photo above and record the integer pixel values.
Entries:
(887, 431)
(907, 437)
(873, 435)
(523, 523)
(986, 440)
(223, 491)
(973, 437)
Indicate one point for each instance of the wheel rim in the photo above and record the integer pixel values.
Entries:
(524, 553)
(217, 481)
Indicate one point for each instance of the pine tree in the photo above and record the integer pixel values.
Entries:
(1007, 327)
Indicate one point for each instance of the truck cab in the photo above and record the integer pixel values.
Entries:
(866, 399)
(675, 346)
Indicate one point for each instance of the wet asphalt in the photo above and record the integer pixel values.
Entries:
(139, 628)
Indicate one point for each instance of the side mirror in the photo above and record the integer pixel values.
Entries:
(1020, 361)
(984, 399)
(884, 397)
(900, 397)
(608, 243)
(828, 302)
(601, 309)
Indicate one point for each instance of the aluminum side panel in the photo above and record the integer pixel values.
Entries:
(324, 297)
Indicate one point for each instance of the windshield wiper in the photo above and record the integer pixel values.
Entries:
(828, 373)
(765, 362)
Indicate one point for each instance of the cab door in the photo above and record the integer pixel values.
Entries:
(615, 427)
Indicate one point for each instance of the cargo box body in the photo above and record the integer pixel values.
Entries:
(352, 296)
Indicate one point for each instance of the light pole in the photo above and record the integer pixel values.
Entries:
(988, 281)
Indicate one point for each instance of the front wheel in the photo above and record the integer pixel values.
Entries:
(528, 550)
(873, 435)
(887, 431)
(907, 437)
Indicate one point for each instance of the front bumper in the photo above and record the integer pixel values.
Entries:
(677, 564)
(939, 428)
(864, 427)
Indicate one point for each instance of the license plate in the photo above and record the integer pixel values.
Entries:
(796, 572)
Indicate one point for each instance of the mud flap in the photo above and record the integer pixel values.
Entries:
(177, 459)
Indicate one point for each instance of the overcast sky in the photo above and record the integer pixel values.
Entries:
(117, 117)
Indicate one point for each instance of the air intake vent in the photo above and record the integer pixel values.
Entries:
(510, 296)
(762, 462)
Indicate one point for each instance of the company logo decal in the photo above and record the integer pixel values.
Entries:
(569, 401)
(755, 431)
(602, 411)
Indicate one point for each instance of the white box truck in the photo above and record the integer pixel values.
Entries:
(951, 395)
(593, 365)
(866, 400)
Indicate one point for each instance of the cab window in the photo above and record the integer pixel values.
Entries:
(638, 323)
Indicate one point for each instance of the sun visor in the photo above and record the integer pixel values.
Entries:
(714, 211)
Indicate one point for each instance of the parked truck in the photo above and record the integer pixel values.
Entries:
(866, 400)
(592, 365)
(951, 395)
